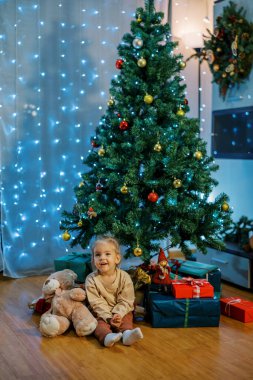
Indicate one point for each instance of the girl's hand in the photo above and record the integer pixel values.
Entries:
(116, 320)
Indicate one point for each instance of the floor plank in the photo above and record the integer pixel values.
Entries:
(173, 353)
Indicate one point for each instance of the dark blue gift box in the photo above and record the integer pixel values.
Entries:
(167, 311)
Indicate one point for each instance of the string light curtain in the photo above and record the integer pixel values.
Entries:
(57, 59)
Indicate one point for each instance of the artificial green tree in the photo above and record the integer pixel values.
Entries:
(148, 176)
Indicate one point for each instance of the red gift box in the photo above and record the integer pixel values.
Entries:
(189, 287)
(237, 308)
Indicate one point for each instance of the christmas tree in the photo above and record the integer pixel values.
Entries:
(148, 175)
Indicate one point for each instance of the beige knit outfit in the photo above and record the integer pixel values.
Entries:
(117, 298)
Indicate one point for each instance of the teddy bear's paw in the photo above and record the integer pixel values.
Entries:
(49, 326)
(84, 328)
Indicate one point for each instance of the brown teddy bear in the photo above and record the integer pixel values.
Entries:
(67, 279)
(66, 306)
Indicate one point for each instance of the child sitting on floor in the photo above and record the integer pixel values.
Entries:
(110, 293)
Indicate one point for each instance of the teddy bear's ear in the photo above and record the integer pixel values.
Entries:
(71, 273)
(50, 285)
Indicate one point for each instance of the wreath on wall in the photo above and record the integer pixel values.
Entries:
(229, 50)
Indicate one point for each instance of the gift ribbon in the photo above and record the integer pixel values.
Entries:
(191, 281)
(186, 316)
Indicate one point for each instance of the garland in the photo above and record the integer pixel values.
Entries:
(229, 50)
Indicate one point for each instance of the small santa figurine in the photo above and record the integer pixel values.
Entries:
(162, 272)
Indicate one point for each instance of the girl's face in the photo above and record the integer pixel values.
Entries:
(105, 257)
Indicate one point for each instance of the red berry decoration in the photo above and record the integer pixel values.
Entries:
(123, 125)
(153, 196)
(119, 63)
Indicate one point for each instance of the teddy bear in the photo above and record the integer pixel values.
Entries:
(66, 277)
(66, 306)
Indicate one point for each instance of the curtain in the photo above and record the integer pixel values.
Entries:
(57, 59)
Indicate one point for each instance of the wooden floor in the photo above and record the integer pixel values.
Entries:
(224, 352)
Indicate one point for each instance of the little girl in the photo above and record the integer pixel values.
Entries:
(110, 293)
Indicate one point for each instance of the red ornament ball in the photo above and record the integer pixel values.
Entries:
(186, 101)
(99, 187)
(119, 63)
(123, 125)
(94, 144)
(153, 196)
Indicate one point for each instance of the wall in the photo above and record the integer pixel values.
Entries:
(234, 176)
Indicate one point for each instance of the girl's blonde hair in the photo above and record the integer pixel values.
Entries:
(108, 239)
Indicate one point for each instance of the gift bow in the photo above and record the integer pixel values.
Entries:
(195, 283)
(176, 264)
(192, 281)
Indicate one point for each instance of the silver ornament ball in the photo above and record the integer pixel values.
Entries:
(137, 43)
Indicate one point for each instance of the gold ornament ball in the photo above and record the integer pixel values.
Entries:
(245, 36)
(224, 75)
(137, 251)
(110, 102)
(101, 152)
(180, 112)
(141, 62)
(218, 49)
(177, 183)
(216, 68)
(66, 236)
(124, 189)
(148, 99)
(139, 19)
(225, 206)
(182, 64)
(158, 147)
(232, 73)
(80, 223)
(81, 184)
(198, 155)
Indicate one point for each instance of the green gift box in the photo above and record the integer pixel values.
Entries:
(199, 270)
(79, 262)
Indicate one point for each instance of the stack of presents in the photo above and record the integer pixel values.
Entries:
(173, 292)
